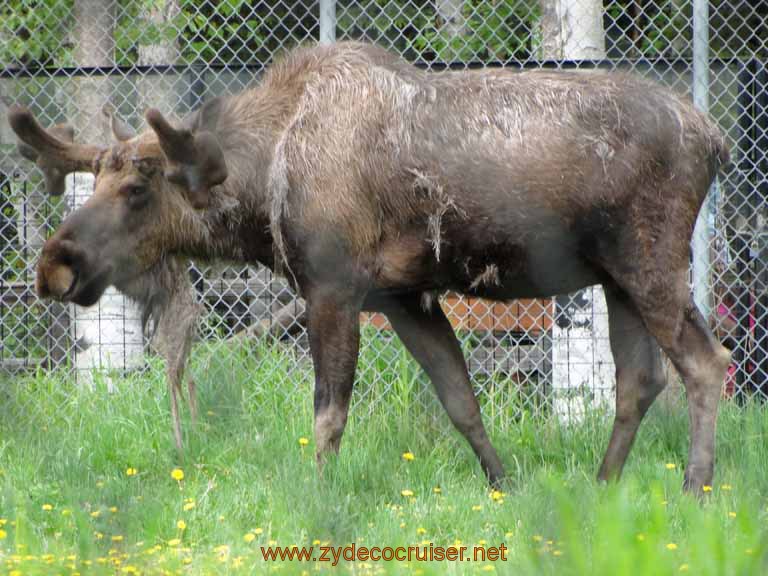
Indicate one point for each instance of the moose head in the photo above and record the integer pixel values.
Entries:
(146, 186)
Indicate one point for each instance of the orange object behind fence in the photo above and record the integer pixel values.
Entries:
(478, 315)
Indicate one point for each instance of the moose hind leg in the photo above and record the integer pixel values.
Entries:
(677, 325)
(429, 338)
(639, 378)
(703, 362)
(334, 338)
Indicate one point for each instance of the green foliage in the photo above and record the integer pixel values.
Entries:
(236, 31)
(134, 29)
(494, 30)
(499, 31)
(33, 32)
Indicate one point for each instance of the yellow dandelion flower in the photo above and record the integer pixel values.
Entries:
(488, 568)
(98, 535)
(113, 509)
(95, 513)
(508, 534)
(3, 521)
(258, 531)
(237, 562)
(437, 490)
(316, 542)
(188, 506)
(497, 495)
(186, 561)
(537, 538)
(406, 493)
(66, 512)
(177, 474)
(671, 546)
(670, 465)
(402, 524)
(3, 534)
(476, 508)
(557, 552)
(181, 525)
(15, 573)
(421, 530)
(303, 441)
(706, 488)
(100, 484)
(408, 456)
(726, 487)
(684, 567)
(457, 543)
(174, 542)
(222, 549)
(250, 537)
(47, 507)
(732, 514)
(130, 471)
(274, 543)
(640, 537)
(117, 538)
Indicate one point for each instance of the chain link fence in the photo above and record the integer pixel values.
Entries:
(67, 59)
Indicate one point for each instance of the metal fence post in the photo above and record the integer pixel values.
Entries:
(701, 234)
(327, 21)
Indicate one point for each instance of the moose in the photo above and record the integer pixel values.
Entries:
(374, 185)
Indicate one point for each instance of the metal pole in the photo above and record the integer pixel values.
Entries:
(327, 21)
(701, 233)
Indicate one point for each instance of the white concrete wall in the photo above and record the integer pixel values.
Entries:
(108, 335)
(583, 373)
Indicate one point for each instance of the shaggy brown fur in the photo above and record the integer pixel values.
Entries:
(371, 182)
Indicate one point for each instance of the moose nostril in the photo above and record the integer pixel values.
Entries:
(57, 269)
(41, 285)
(54, 279)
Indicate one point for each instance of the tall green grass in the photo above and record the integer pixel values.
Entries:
(68, 505)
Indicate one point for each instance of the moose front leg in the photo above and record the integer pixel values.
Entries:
(334, 340)
(429, 337)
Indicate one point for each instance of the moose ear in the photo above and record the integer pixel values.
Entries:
(121, 130)
(195, 159)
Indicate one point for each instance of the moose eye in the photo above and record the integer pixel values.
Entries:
(135, 194)
(130, 190)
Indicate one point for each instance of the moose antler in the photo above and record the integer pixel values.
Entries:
(53, 150)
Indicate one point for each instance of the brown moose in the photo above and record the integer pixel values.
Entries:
(373, 185)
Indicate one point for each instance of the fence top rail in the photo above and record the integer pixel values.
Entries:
(159, 69)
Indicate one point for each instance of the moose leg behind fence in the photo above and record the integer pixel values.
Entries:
(177, 314)
(429, 337)
(639, 377)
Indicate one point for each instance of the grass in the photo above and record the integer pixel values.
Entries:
(86, 481)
